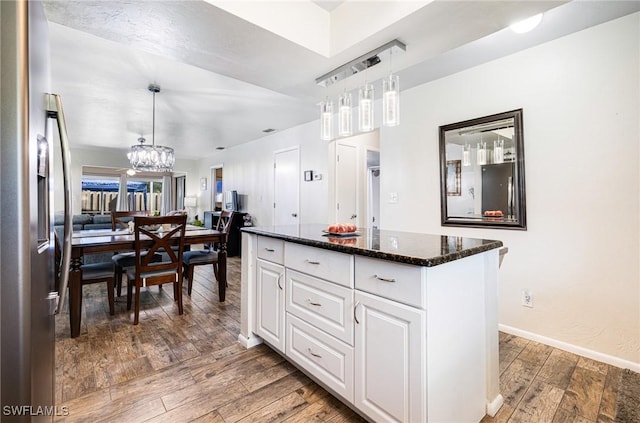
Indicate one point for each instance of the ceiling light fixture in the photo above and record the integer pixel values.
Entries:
(390, 96)
(152, 158)
(359, 64)
(526, 25)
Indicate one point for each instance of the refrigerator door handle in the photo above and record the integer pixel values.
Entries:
(54, 111)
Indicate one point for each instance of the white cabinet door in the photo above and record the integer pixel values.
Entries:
(390, 357)
(269, 316)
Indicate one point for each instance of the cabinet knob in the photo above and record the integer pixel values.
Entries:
(312, 261)
(355, 308)
(312, 303)
(271, 250)
(294, 214)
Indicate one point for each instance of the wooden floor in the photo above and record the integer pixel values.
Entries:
(190, 368)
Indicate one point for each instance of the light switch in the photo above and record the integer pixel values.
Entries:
(393, 197)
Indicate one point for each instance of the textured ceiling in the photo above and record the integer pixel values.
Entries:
(225, 79)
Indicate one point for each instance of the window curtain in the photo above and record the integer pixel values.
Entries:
(123, 204)
(166, 194)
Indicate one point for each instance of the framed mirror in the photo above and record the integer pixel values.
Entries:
(482, 172)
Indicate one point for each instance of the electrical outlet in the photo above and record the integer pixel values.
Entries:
(527, 298)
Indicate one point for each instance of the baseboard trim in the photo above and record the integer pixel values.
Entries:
(249, 342)
(494, 405)
(584, 352)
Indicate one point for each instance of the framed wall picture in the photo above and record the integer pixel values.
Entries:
(203, 184)
(453, 177)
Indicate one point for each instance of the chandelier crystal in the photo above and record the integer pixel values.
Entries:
(151, 158)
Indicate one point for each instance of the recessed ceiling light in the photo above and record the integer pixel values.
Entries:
(219, 148)
(266, 131)
(526, 25)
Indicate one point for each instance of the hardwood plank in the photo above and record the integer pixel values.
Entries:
(510, 347)
(257, 380)
(206, 401)
(584, 392)
(596, 366)
(565, 416)
(82, 408)
(212, 417)
(156, 384)
(320, 411)
(607, 410)
(277, 410)
(539, 404)
(210, 384)
(557, 370)
(264, 396)
(139, 411)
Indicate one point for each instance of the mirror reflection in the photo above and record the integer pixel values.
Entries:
(482, 172)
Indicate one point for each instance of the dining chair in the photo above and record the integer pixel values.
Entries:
(91, 273)
(152, 239)
(208, 256)
(120, 220)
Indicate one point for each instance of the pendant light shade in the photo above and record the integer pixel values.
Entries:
(391, 100)
(344, 114)
(326, 120)
(481, 155)
(365, 108)
(498, 151)
(151, 158)
(466, 155)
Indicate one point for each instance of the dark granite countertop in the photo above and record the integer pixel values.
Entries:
(402, 247)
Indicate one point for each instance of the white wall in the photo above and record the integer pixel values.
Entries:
(248, 169)
(580, 255)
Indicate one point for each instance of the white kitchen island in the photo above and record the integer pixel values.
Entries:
(400, 326)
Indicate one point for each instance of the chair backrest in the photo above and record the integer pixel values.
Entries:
(224, 222)
(149, 228)
(121, 219)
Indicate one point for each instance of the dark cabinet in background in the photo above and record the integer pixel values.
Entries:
(234, 241)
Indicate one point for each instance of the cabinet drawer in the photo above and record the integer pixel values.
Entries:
(330, 265)
(323, 356)
(399, 282)
(271, 249)
(325, 305)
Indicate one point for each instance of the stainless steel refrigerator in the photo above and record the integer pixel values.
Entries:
(28, 295)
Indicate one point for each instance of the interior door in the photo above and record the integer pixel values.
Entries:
(346, 183)
(286, 195)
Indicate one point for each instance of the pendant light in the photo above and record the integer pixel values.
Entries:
(466, 155)
(498, 151)
(481, 155)
(326, 120)
(151, 158)
(365, 108)
(391, 100)
(344, 114)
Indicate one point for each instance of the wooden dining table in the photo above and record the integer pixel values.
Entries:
(100, 241)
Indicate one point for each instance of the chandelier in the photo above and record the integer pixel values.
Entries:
(151, 158)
